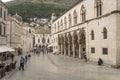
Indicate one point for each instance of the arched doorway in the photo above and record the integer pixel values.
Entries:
(70, 51)
(62, 44)
(65, 45)
(59, 44)
(82, 43)
(76, 45)
(39, 46)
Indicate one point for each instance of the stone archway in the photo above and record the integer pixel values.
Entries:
(59, 44)
(75, 45)
(43, 40)
(70, 52)
(62, 44)
(82, 43)
(65, 45)
(39, 46)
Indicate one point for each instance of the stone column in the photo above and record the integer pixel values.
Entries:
(79, 50)
(61, 48)
(73, 50)
(64, 48)
(68, 49)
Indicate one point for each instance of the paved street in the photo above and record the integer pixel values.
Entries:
(53, 67)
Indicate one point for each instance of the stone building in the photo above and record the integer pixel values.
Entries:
(28, 37)
(42, 36)
(91, 26)
(18, 33)
(14, 31)
(3, 14)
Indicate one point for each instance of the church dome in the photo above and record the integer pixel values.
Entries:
(17, 17)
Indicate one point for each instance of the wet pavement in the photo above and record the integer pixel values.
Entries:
(59, 67)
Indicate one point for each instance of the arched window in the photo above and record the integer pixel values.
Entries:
(104, 33)
(98, 7)
(65, 22)
(92, 35)
(58, 26)
(75, 17)
(70, 20)
(61, 24)
(82, 38)
(38, 40)
(83, 14)
(43, 40)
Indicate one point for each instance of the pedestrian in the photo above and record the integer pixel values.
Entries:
(84, 55)
(12, 57)
(26, 57)
(18, 52)
(100, 61)
(22, 61)
(6, 56)
(29, 56)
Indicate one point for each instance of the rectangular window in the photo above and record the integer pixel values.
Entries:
(105, 51)
(0, 12)
(4, 15)
(92, 50)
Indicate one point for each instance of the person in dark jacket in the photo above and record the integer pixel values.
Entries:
(100, 61)
(26, 57)
(85, 56)
(12, 57)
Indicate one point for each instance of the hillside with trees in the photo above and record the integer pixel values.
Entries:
(38, 8)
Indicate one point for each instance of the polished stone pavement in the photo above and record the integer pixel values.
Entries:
(59, 67)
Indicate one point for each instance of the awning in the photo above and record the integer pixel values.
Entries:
(2, 49)
(50, 45)
(6, 48)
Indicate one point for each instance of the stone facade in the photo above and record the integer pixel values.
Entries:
(19, 35)
(14, 34)
(90, 26)
(42, 36)
(28, 38)
(3, 14)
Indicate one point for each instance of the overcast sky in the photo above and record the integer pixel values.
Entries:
(6, 0)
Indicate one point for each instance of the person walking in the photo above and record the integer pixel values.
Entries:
(26, 57)
(22, 61)
(29, 56)
(84, 55)
(12, 57)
